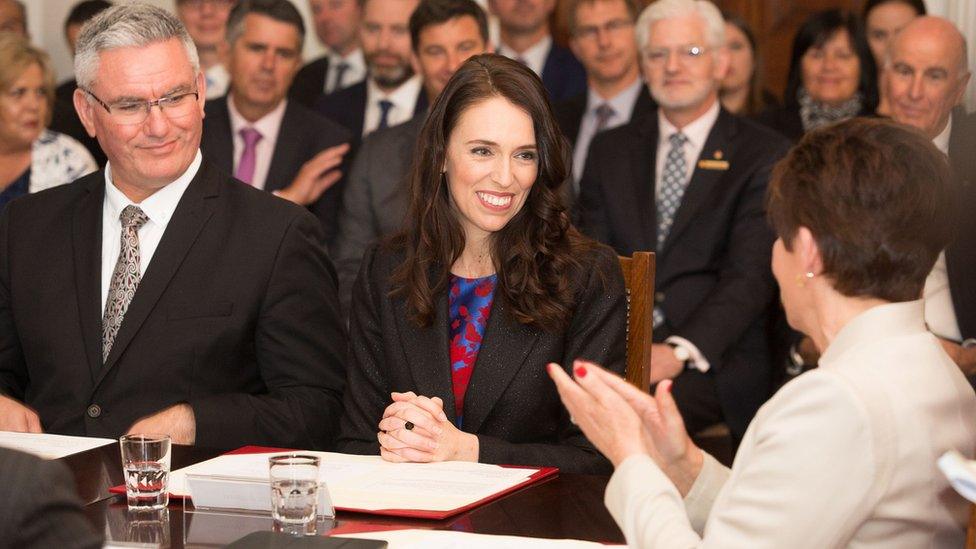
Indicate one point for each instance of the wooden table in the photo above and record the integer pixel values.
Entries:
(568, 506)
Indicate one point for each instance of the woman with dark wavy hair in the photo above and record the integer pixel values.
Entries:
(454, 320)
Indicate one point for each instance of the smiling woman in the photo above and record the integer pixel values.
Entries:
(454, 319)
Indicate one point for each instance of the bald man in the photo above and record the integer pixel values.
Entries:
(925, 76)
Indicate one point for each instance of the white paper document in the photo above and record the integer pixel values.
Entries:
(446, 539)
(50, 446)
(365, 482)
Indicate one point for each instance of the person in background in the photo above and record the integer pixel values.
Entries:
(392, 93)
(65, 119)
(445, 33)
(524, 35)
(603, 39)
(842, 456)
(32, 158)
(883, 19)
(13, 17)
(206, 20)
(742, 92)
(454, 319)
(337, 27)
(832, 76)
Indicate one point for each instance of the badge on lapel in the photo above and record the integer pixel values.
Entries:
(714, 163)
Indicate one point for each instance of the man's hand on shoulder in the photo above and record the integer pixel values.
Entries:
(316, 176)
(14, 416)
(176, 421)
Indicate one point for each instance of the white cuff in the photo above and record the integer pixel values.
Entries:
(697, 360)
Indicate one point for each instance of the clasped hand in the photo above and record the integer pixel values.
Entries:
(416, 429)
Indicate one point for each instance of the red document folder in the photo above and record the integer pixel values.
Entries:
(542, 473)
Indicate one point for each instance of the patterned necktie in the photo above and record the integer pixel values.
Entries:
(341, 69)
(125, 277)
(604, 113)
(385, 106)
(669, 198)
(245, 168)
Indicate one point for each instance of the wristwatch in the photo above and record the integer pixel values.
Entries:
(680, 353)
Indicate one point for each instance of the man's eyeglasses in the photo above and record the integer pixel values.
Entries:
(686, 54)
(591, 32)
(197, 4)
(136, 112)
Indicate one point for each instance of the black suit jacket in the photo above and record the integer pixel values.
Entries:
(348, 107)
(961, 253)
(713, 277)
(569, 113)
(510, 402)
(562, 74)
(39, 508)
(236, 315)
(303, 135)
(309, 82)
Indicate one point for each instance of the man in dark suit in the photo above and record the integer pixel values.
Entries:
(688, 181)
(525, 36)
(40, 508)
(160, 295)
(445, 33)
(295, 152)
(925, 78)
(337, 27)
(603, 39)
(392, 93)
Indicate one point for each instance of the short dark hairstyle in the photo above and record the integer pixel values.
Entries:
(436, 12)
(757, 99)
(83, 11)
(279, 10)
(877, 197)
(917, 5)
(818, 29)
(633, 9)
(538, 256)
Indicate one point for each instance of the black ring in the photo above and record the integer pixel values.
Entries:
(408, 426)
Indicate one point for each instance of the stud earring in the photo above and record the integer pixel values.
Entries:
(801, 280)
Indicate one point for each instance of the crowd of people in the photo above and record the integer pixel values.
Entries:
(408, 247)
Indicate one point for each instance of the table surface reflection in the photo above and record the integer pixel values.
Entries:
(567, 506)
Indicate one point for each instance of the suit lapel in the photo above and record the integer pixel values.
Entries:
(503, 351)
(427, 350)
(285, 160)
(218, 141)
(703, 181)
(87, 244)
(643, 158)
(191, 214)
(420, 105)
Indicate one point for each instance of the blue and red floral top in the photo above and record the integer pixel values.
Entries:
(470, 302)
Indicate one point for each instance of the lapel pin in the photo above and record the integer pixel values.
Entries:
(715, 163)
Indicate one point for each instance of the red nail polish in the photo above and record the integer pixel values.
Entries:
(580, 371)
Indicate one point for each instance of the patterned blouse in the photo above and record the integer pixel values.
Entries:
(470, 302)
(57, 159)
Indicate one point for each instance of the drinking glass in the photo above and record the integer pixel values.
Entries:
(294, 493)
(145, 466)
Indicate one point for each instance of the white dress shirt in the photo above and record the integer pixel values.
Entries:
(697, 133)
(353, 75)
(623, 108)
(404, 101)
(159, 208)
(842, 456)
(534, 57)
(268, 125)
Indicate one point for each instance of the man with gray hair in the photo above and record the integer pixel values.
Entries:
(925, 76)
(160, 295)
(687, 180)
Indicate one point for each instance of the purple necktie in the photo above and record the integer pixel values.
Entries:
(245, 168)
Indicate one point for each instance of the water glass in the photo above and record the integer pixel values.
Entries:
(147, 528)
(294, 493)
(145, 465)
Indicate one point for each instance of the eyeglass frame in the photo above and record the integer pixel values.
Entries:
(689, 53)
(591, 32)
(148, 103)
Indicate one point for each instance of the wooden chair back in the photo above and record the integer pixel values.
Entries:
(639, 278)
(971, 531)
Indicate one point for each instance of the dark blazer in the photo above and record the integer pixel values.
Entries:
(510, 402)
(562, 74)
(569, 113)
(713, 277)
(236, 315)
(303, 135)
(309, 82)
(348, 107)
(787, 121)
(64, 119)
(961, 253)
(39, 508)
(376, 198)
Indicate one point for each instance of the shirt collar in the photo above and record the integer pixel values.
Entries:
(267, 125)
(876, 324)
(354, 59)
(696, 132)
(160, 205)
(404, 97)
(942, 140)
(622, 103)
(535, 56)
